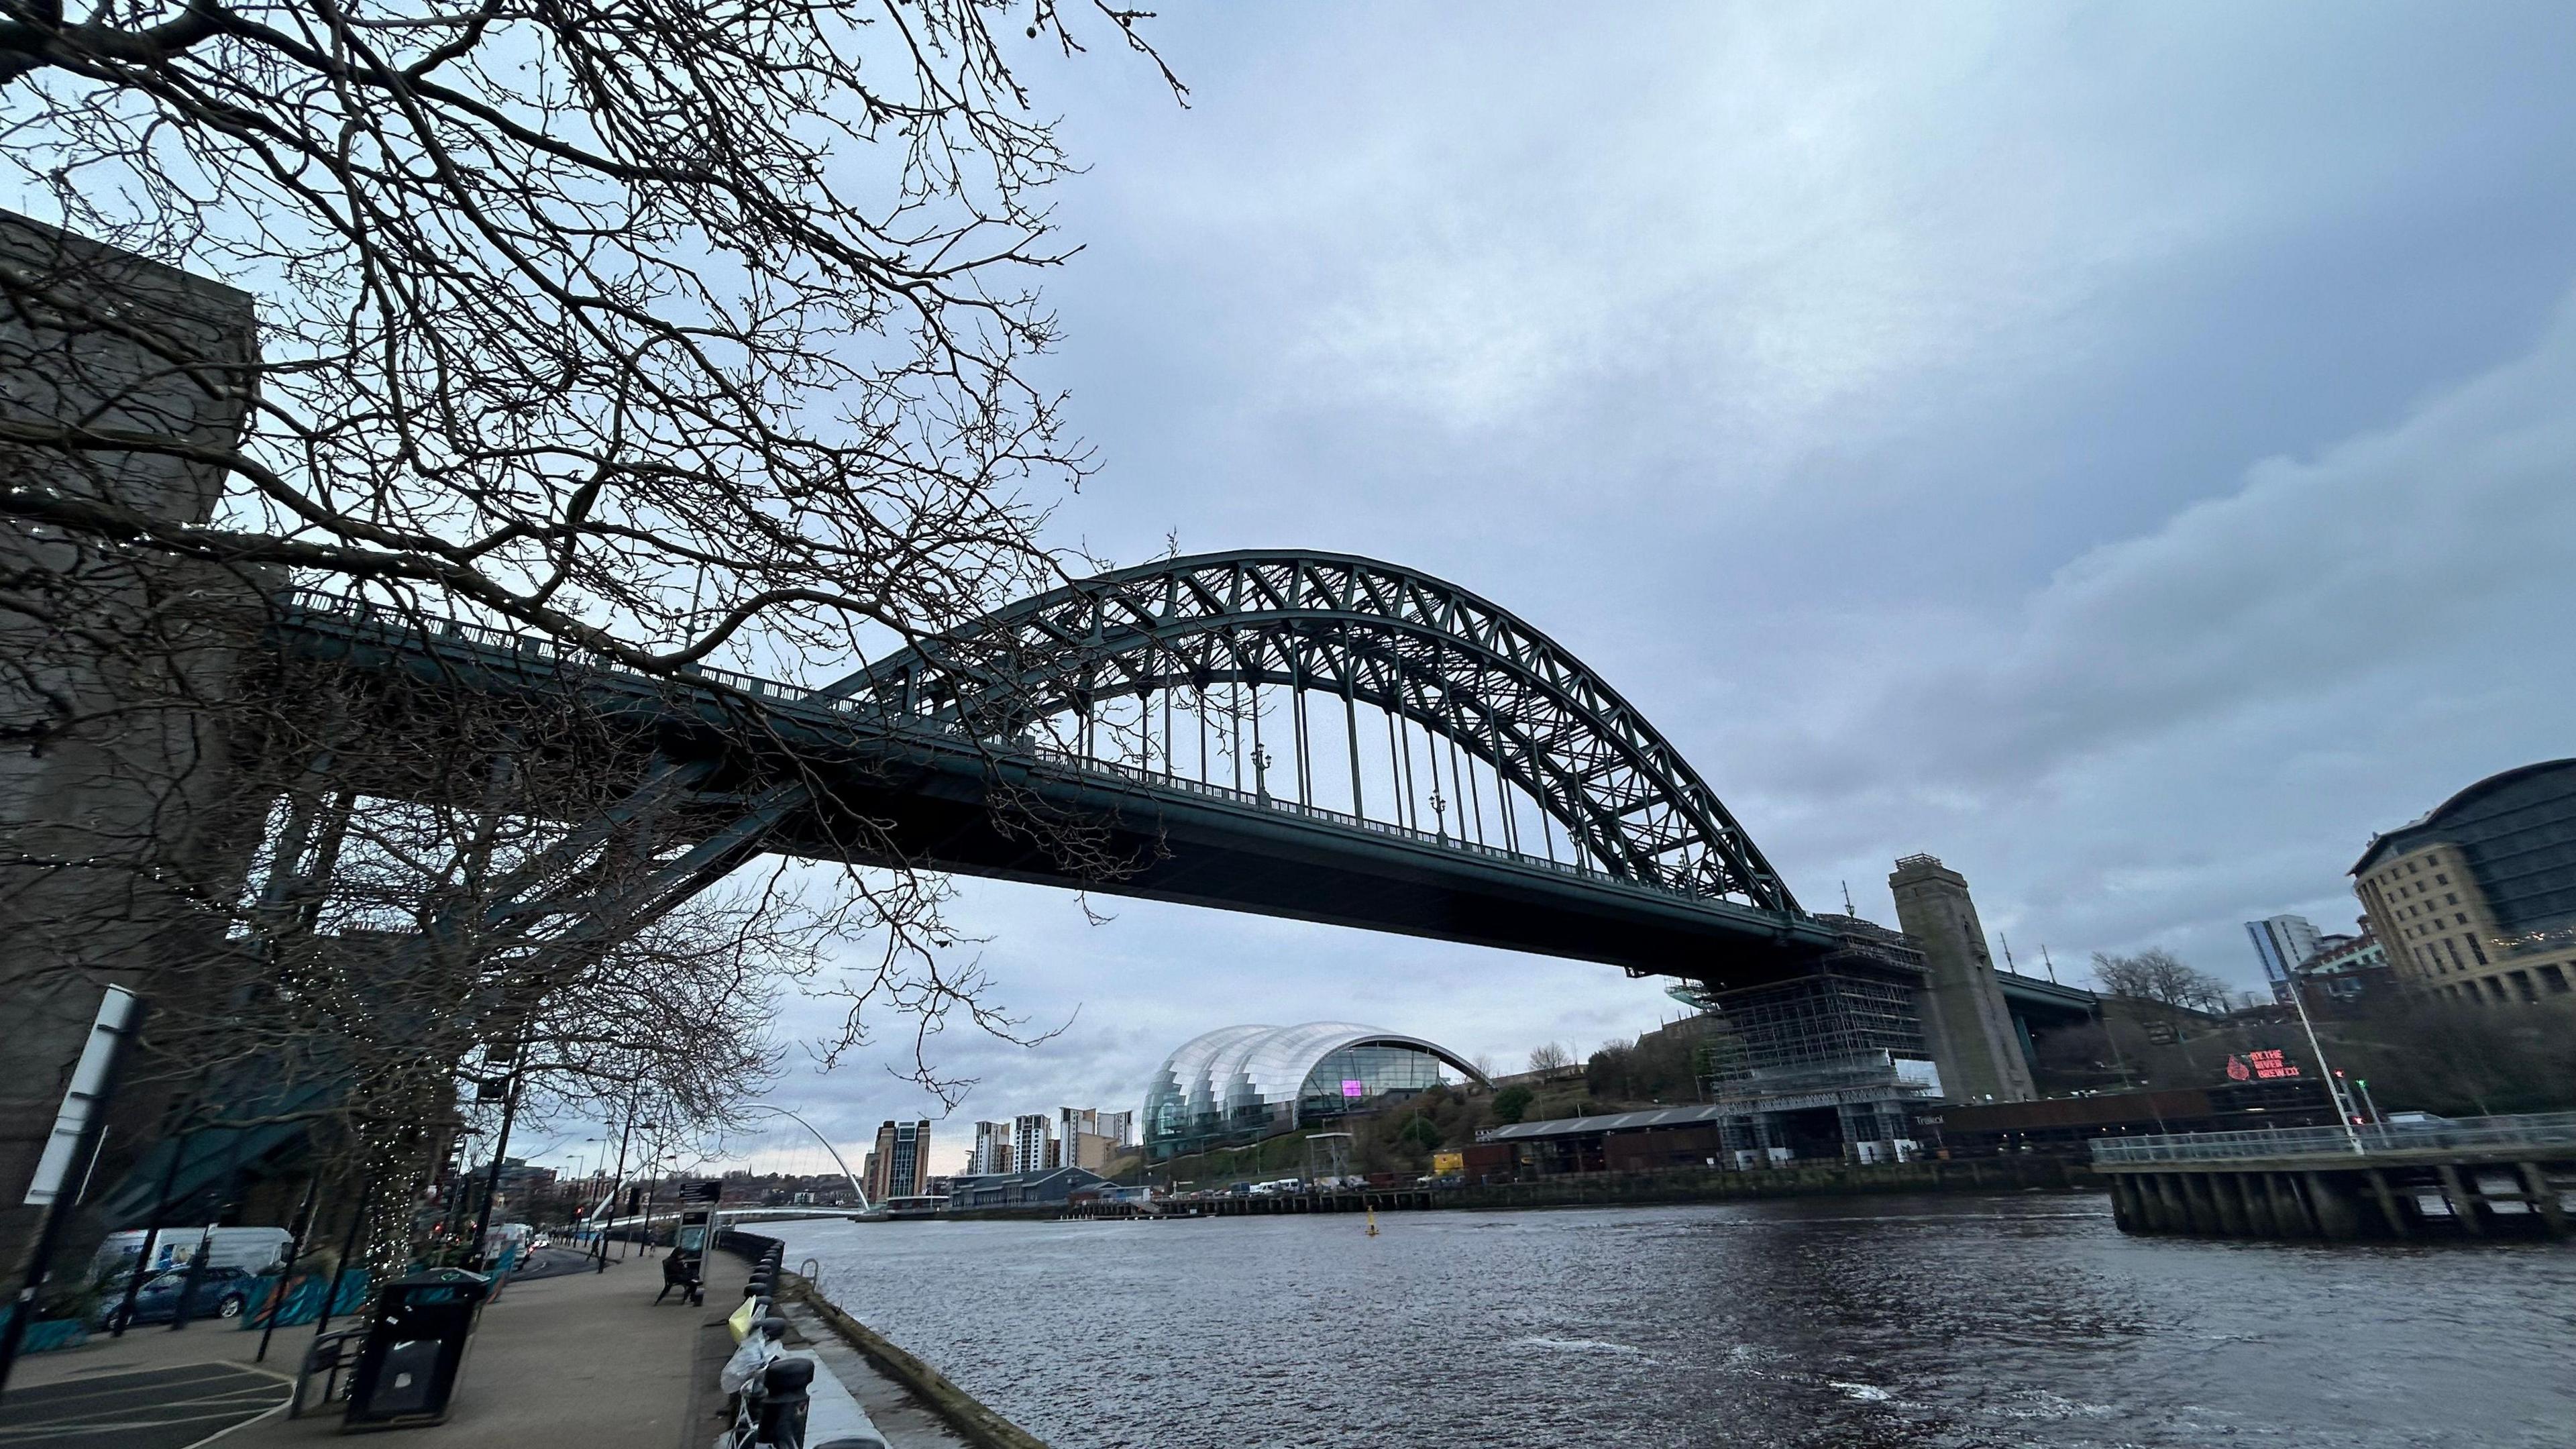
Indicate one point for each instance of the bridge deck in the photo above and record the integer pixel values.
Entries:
(892, 791)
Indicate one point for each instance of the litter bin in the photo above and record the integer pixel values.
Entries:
(415, 1349)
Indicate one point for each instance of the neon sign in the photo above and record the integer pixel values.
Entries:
(2266, 1064)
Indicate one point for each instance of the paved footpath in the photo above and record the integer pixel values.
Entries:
(577, 1361)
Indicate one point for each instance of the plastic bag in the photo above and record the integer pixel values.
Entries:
(747, 1362)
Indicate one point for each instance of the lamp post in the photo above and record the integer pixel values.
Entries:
(606, 1212)
(492, 1179)
(2334, 1079)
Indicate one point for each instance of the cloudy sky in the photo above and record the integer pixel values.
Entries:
(2128, 452)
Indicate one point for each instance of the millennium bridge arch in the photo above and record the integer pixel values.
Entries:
(1301, 734)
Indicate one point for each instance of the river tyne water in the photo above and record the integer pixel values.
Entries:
(1951, 1321)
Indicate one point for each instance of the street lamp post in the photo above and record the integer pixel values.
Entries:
(2334, 1079)
(607, 1210)
(492, 1180)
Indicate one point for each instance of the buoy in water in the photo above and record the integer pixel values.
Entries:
(1372, 1221)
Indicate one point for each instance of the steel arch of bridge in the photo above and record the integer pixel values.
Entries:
(1365, 632)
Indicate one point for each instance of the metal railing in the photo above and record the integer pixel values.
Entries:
(400, 625)
(2550, 1130)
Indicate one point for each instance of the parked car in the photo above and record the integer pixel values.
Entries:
(221, 1293)
(250, 1249)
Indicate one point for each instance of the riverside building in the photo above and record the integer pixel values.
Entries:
(1088, 1137)
(2476, 901)
(1033, 1145)
(1243, 1083)
(900, 1165)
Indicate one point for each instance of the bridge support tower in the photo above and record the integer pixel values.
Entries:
(1965, 1020)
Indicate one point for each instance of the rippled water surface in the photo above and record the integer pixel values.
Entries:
(1938, 1321)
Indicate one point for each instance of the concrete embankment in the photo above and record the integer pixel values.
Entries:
(1610, 1189)
(959, 1413)
(1600, 1189)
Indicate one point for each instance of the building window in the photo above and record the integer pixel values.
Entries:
(2454, 952)
(2476, 951)
(2451, 898)
(2459, 918)
(2441, 880)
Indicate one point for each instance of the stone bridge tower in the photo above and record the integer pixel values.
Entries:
(125, 832)
(1965, 1021)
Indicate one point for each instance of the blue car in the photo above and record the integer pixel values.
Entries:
(221, 1293)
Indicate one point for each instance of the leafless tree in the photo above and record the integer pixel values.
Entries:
(674, 334)
(2160, 976)
(679, 337)
(1553, 1056)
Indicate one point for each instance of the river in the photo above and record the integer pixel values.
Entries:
(1935, 1321)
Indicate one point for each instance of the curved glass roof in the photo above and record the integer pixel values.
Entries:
(1236, 1071)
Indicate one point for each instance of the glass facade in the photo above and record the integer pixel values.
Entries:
(1245, 1082)
(1356, 1077)
(2518, 833)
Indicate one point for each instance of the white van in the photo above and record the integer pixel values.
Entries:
(252, 1250)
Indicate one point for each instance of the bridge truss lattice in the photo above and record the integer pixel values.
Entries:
(1177, 667)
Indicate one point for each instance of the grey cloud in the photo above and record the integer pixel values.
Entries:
(2125, 452)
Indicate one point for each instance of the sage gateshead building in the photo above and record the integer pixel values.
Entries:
(1243, 1083)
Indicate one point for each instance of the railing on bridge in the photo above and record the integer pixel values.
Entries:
(395, 623)
(2554, 1131)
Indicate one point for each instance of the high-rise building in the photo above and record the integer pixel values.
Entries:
(2476, 901)
(2284, 943)
(992, 1151)
(1088, 1137)
(900, 1165)
(1032, 1144)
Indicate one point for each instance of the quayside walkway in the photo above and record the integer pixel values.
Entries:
(576, 1361)
(2471, 1178)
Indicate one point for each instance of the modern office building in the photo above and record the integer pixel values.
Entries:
(1243, 1083)
(2282, 943)
(2476, 901)
(900, 1165)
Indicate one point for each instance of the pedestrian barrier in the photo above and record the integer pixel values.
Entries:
(329, 1355)
(299, 1300)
